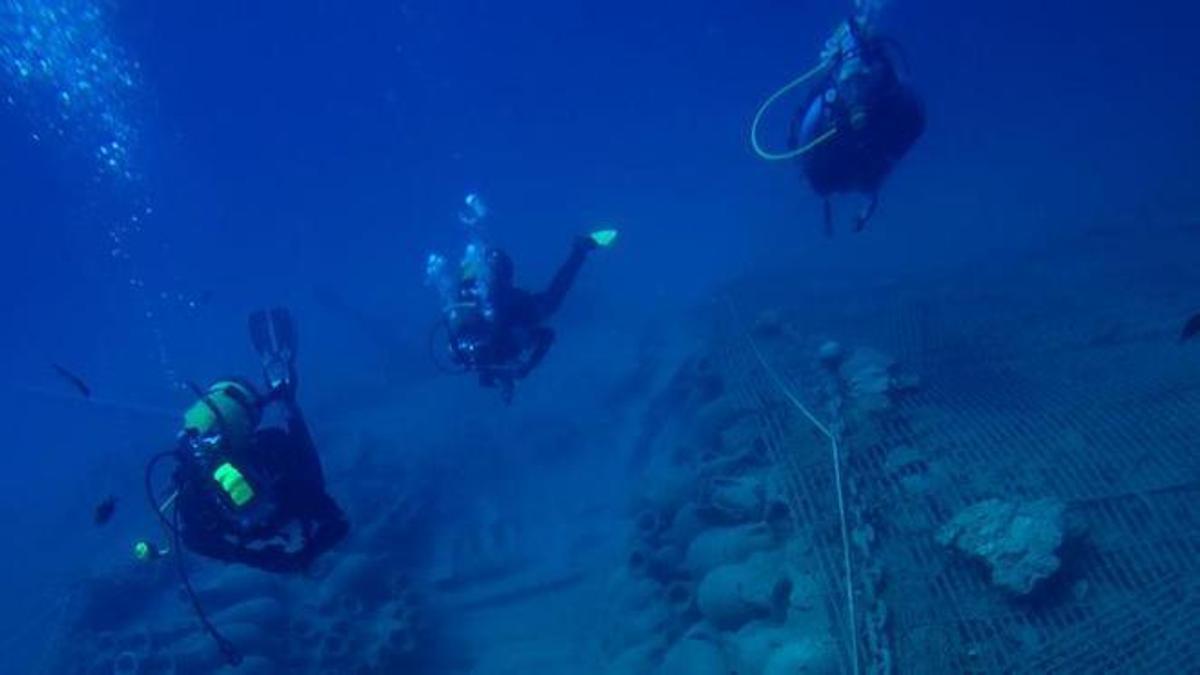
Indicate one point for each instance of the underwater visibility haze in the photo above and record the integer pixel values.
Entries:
(839, 336)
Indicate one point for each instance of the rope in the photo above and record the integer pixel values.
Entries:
(836, 456)
(762, 110)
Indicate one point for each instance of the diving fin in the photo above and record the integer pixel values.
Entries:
(604, 238)
(273, 334)
(1190, 329)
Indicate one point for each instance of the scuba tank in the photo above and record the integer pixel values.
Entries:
(219, 428)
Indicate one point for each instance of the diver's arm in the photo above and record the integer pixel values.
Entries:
(297, 428)
(549, 300)
(293, 419)
(300, 458)
(325, 530)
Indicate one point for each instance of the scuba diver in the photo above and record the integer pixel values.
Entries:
(491, 326)
(858, 122)
(247, 486)
(246, 491)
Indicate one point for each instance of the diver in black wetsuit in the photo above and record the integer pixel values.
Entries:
(497, 329)
(249, 491)
(860, 121)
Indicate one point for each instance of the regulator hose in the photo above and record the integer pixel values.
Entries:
(762, 110)
(228, 651)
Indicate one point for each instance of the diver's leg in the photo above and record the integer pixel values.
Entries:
(543, 337)
(327, 527)
(210, 544)
(215, 546)
(549, 300)
(273, 333)
(869, 210)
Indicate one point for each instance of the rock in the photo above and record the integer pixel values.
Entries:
(253, 665)
(752, 646)
(198, 654)
(831, 354)
(266, 612)
(631, 593)
(691, 656)
(904, 460)
(732, 595)
(394, 637)
(802, 655)
(684, 527)
(235, 583)
(734, 500)
(768, 324)
(664, 489)
(726, 545)
(649, 523)
(1018, 541)
(638, 629)
(868, 377)
(680, 599)
(661, 564)
(635, 660)
(741, 438)
(352, 584)
(127, 663)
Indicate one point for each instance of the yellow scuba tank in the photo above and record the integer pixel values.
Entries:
(222, 424)
(229, 409)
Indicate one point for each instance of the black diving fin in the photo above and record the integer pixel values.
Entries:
(1190, 329)
(274, 336)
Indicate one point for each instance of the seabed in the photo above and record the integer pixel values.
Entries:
(717, 545)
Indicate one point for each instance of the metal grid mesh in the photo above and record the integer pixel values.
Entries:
(1028, 390)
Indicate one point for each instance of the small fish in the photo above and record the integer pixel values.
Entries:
(104, 511)
(75, 381)
(1190, 329)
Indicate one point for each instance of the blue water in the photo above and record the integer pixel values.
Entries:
(169, 167)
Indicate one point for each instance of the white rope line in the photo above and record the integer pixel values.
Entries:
(836, 453)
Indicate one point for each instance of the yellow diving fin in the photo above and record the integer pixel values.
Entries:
(604, 238)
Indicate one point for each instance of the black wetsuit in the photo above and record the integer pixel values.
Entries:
(877, 118)
(510, 344)
(290, 521)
